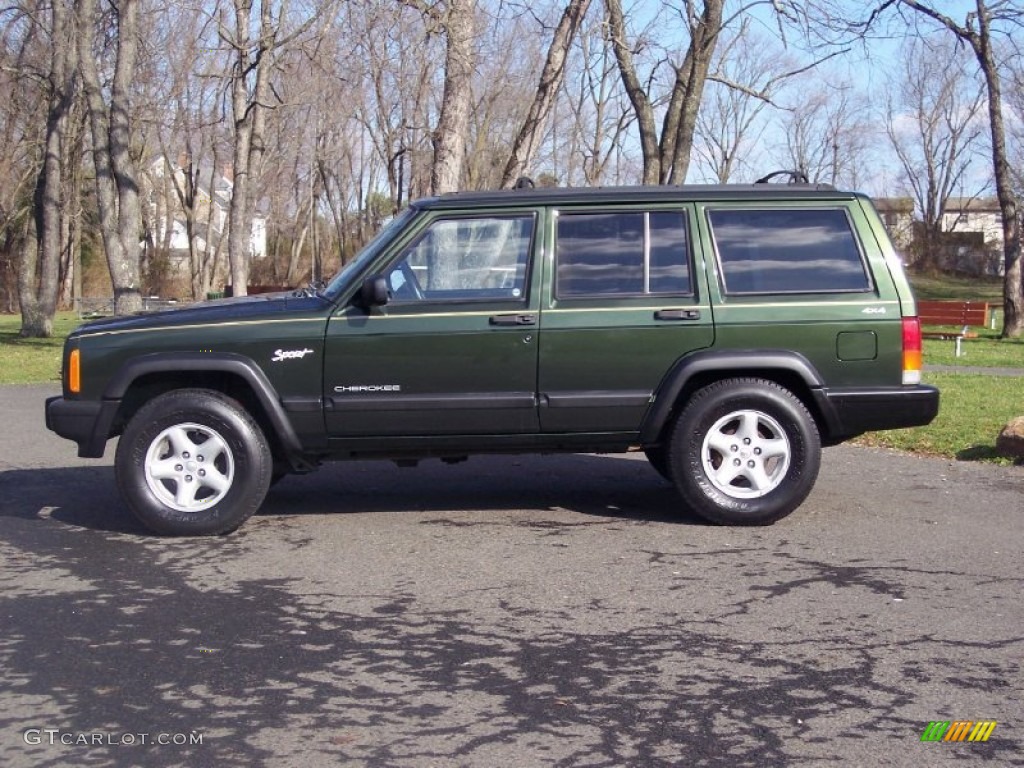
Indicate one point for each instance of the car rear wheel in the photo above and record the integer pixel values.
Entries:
(193, 462)
(744, 451)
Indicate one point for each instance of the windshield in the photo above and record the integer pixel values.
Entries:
(368, 254)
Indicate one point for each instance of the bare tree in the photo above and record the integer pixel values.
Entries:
(1015, 100)
(117, 181)
(826, 134)
(397, 94)
(504, 86)
(39, 272)
(747, 73)
(524, 147)
(457, 20)
(598, 114)
(23, 62)
(981, 30)
(667, 159)
(932, 124)
(43, 36)
(256, 47)
(188, 118)
(254, 53)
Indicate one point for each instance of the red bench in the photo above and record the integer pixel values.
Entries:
(960, 313)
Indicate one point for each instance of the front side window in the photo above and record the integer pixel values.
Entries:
(622, 253)
(465, 259)
(787, 251)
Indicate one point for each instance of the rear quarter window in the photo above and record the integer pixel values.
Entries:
(787, 251)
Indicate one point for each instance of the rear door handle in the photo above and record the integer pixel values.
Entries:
(513, 320)
(677, 314)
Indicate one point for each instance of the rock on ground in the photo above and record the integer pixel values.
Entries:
(1011, 440)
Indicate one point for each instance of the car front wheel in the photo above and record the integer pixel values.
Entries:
(744, 451)
(193, 462)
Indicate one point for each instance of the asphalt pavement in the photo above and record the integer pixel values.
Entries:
(509, 611)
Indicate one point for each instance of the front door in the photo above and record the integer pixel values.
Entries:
(454, 351)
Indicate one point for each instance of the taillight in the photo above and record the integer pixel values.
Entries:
(911, 350)
(75, 371)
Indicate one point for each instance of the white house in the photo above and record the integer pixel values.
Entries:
(974, 228)
(975, 214)
(167, 218)
(898, 215)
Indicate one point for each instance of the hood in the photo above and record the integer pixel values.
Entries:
(264, 305)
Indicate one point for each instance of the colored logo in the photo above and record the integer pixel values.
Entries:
(958, 730)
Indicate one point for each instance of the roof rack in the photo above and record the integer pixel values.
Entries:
(795, 177)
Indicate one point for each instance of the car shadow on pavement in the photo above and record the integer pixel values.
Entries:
(611, 486)
(86, 497)
(597, 486)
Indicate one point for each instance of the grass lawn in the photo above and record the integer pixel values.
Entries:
(29, 361)
(986, 351)
(972, 410)
(957, 288)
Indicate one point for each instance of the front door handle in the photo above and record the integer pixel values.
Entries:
(677, 314)
(518, 320)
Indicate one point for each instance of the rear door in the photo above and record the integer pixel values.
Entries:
(626, 298)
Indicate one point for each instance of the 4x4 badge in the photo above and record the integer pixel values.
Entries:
(290, 354)
(873, 311)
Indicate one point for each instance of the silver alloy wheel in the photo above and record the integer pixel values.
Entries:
(189, 467)
(746, 454)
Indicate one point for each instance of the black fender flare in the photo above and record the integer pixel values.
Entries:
(742, 362)
(220, 362)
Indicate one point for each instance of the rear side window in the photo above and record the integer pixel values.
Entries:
(622, 253)
(787, 251)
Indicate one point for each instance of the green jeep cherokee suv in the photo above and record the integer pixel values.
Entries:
(729, 332)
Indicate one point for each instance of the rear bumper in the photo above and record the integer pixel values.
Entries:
(86, 422)
(865, 410)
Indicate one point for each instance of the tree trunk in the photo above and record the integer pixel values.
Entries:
(1013, 278)
(117, 187)
(40, 262)
(684, 106)
(250, 116)
(71, 213)
(667, 161)
(526, 142)
(453, 121)
(635, 90)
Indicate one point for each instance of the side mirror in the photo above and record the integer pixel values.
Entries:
(374, 292)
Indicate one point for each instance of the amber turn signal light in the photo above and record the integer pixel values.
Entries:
(75, 371)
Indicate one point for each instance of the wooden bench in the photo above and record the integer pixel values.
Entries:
(960, 313)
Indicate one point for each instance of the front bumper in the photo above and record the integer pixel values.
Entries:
(86, 422)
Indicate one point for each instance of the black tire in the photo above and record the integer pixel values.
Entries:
(744, 452)
(171, 485)
(657, 455)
